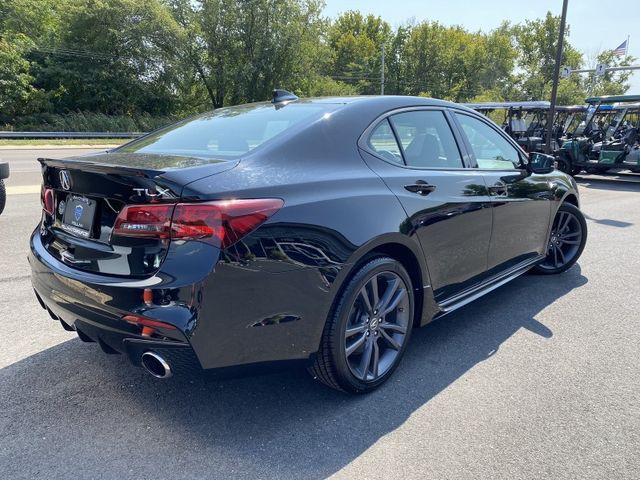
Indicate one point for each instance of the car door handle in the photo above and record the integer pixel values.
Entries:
(420, 187)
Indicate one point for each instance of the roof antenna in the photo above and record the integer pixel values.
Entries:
(280, 96)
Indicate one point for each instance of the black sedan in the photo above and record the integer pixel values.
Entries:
(315, 232)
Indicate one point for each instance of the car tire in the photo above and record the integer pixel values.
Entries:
(361, 346)
(3, 196)
(566, 243)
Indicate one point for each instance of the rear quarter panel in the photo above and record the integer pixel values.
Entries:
(269, 295)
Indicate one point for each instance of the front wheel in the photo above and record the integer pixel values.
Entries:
(567, 241)
(3, 196)
(367, 333)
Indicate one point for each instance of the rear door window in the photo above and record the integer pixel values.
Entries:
(383, 142)
(426, 139)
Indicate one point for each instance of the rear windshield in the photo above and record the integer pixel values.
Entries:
(227, 133)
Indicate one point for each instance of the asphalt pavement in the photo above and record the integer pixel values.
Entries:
(539, 379)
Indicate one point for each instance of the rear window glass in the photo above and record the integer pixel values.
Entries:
(227, 132)
(383, 142)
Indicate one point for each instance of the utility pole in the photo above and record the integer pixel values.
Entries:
(556, 76)
(382, 72)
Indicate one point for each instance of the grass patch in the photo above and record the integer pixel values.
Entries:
(8, 142)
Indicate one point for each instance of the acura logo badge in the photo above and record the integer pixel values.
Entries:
(65, 179)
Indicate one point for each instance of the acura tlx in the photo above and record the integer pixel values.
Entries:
(316, 232)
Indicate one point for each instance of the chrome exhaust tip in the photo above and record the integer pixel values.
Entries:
(156, 365)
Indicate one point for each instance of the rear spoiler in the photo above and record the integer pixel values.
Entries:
(166, 170)
(4, 171)
(100, 167)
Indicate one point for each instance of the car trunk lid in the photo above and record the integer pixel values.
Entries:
(85, 195)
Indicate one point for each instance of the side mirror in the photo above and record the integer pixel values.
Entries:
(541, 163)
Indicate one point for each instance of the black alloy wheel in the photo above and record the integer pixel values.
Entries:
(566, 242)
(366, 337)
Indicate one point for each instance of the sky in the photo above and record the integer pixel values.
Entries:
(593, 25)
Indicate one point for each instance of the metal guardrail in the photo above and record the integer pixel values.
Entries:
(70, 134)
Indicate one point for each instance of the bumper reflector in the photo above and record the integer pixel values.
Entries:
(147, 322)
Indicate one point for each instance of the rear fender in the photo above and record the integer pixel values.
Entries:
(385, 244)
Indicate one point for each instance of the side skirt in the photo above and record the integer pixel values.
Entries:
(460, 300)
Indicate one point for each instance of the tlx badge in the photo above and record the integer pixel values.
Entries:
(157, 192)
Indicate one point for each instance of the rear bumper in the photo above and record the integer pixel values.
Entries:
(96, 310)
(236, 316)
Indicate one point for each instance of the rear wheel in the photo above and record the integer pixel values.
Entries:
(567, 241)
(3, 196)
(367, 334)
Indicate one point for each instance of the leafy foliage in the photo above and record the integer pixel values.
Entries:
(119, 64)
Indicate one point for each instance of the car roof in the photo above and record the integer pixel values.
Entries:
(381, 102)
(399, 99)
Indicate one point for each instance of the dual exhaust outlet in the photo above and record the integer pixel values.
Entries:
(156, 365)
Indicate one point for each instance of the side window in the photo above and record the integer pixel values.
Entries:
(383, 142)
(426, 139)
(491, 149)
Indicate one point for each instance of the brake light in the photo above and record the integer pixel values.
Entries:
(221, 222)
(144, 221)
(46, 199)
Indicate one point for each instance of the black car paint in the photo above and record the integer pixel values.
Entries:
(341, 203)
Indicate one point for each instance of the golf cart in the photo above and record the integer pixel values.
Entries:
(606, 138)
(4, 173)
(524, 121)
(565, 117)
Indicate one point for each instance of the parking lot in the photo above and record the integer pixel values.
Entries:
(540, 378)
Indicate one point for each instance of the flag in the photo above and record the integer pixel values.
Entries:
(621, 51)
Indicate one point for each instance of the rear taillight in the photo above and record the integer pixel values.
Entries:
(221, 222)
(144, 221)
(46, 198)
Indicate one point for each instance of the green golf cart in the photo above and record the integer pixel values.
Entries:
(524, 121)
(565, 118)
(607, 137)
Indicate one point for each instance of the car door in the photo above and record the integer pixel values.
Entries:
(448, 206)
(521, 200)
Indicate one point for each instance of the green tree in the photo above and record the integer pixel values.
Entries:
(396, 62)
(536, 42)
(17, 94)
(241, 50)
(108, 58)
(356, 43)
(452, 63)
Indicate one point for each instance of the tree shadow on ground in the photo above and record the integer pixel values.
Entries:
(71, 411)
